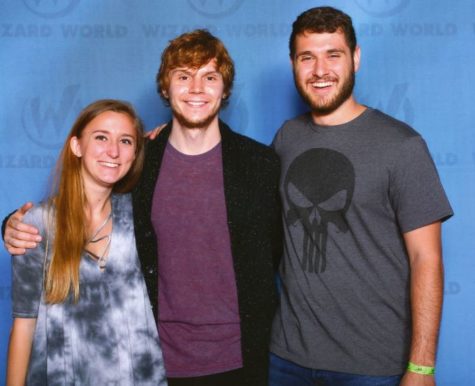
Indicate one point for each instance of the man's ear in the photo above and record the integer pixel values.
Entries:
(356, 58)
(75, 146)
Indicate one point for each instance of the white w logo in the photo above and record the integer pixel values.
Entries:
(47, 125)
(51, 8)
(382, 8)
(215, 8)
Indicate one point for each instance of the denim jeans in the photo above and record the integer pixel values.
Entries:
(286, 373)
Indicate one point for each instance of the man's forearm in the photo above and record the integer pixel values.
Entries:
(4, 224)
(425, 257)
(426, 306)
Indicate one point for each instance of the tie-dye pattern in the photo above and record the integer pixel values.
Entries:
(109, 337)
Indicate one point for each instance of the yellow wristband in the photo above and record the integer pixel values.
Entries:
(418, 369)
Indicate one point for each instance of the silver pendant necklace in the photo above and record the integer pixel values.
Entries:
(102, 258)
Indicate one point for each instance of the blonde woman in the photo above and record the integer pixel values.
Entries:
(81, 311)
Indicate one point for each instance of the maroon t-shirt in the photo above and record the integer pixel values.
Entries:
(199, 321)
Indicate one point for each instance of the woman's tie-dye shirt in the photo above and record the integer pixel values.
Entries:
(109, 336)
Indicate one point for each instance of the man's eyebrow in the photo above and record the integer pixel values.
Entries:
(185, 70)
(212, 72)
(329, 51)
(304, 53)
(339, 50)
(191, 71)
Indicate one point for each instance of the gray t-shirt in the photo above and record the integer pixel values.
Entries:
(349, 192)
(109, 337)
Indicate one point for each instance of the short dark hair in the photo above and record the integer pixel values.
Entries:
(320, 20)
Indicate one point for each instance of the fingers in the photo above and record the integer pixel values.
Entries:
(25, 208)
(16, 242)
(19, 236)
(14, 251)
(15, 245)
(15, 224)
(152, 134)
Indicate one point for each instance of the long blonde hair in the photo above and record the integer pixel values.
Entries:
(62, 277)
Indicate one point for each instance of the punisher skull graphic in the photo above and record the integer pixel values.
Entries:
(318, 188)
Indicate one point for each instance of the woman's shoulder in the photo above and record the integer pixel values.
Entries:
(40, 215)
(121, 199)
(122, 206)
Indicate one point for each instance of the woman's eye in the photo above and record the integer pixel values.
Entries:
(101, 137)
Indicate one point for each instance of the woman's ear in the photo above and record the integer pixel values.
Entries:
(75, 146)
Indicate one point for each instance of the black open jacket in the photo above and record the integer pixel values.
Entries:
(251, 177)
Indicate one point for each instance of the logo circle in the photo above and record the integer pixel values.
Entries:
(38, 135)
(46, 125)
(382, 8)
(215, 8)
(51, 9)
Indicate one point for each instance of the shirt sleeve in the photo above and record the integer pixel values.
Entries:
(417, 195)
(27, 272)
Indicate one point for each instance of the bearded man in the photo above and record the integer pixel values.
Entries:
(362, 208)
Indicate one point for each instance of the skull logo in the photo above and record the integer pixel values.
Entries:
(318, 188)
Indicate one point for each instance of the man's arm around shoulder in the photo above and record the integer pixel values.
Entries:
(17, 236)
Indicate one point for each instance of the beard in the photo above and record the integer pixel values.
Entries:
(187, 120)
(327, 105)
(195, 124)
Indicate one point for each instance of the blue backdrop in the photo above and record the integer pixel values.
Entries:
(417, 65)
